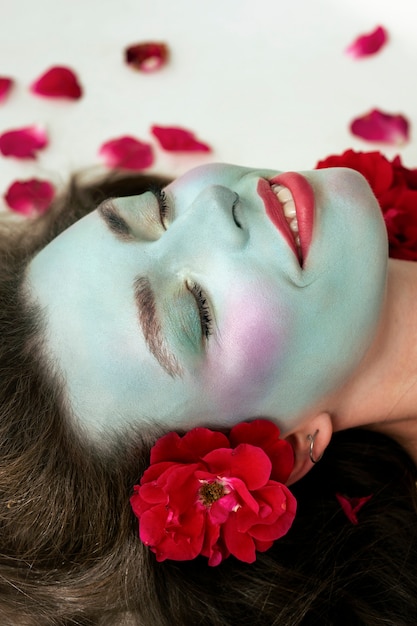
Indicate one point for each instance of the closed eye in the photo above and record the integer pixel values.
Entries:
(206, 319)
(157, 213)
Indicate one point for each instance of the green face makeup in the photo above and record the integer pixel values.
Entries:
(195, 308)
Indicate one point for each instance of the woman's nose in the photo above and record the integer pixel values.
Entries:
(214, 211)
(204, 232)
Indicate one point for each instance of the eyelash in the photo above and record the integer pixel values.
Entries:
(206, 319)
(235, 219)
(163, 206)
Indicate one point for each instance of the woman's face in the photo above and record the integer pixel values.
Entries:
(205, 306)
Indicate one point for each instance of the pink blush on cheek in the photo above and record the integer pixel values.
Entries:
(245, 360)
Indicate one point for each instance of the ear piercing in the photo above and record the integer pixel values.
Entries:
(311, 439)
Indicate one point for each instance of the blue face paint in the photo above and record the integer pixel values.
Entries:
(230, 323)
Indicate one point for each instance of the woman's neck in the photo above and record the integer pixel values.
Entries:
(382, 394)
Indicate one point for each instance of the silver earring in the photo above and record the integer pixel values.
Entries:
(311, 439)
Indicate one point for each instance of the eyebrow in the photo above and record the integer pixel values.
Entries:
(151, 327)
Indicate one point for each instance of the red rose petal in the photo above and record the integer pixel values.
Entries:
(247, 462)
(127, 153)
(281, 517)
(57, 82)
(24, 142)
(239, 544)
(147, 57)
(5, 87)
(265, 434)
(379, 126)
(352, 506)
(30, 197)
(189, 448)
(176, 139)
(366, 45)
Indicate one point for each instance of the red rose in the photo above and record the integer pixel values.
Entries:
(395, 188)
(209, 494)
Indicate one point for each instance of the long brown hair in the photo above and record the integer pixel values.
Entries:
(69, 550)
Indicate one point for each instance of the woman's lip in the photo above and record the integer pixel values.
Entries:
(303, 195)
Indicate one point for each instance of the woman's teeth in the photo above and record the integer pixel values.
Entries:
(284, 195)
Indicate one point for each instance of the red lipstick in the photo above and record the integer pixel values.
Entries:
(303, 196)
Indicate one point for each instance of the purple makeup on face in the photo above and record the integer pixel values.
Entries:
(251, 338)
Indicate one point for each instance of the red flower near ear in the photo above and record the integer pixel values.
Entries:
(212, 495)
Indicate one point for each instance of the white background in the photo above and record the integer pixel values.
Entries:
(265, 82)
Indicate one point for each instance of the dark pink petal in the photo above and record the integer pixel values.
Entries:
(383, 127)
(152, 525)
(191, 447)
(181, 541)
(245, 496)
(182, 486)
(221, 509)
(178, 545)
(176, 139)
(281, 510)
(5, 87)
(265, 434)
(30, 197)
(126, 153)
(153, 472)
(167, 449)
(365, 45)
(57, 82)
(211, 535)
(151, 494)
(271, 504)
(216, 557)
(213, 546)
(147, 57)
(263, 546)
(241, 545)
(22, 143)
(352, 506)
(247, 462)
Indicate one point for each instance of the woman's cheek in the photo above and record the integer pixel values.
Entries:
(244, 360)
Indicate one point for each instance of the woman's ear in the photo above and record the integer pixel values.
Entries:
(309, 442)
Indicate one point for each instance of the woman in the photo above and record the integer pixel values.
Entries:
(232, 294)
